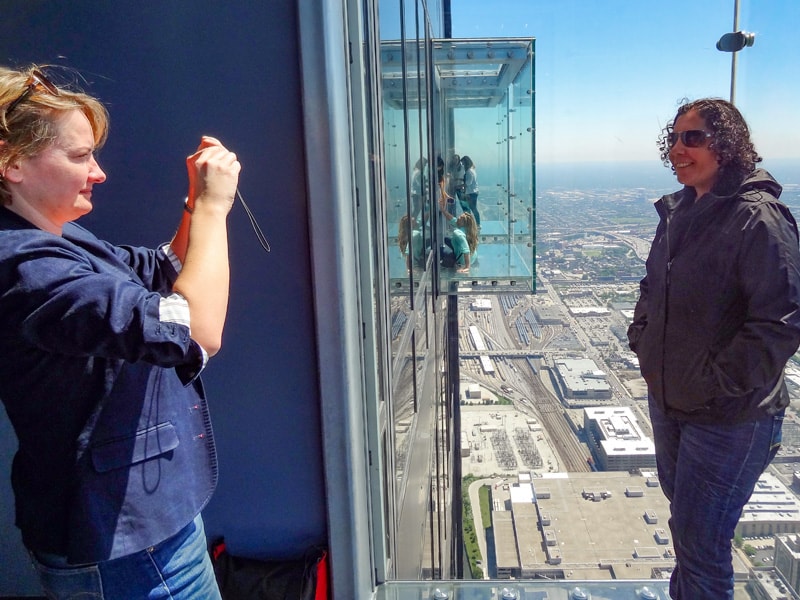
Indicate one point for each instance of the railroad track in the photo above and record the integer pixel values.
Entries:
(571, 454)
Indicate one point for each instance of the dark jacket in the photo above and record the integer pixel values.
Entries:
(116, 451)
(719, 311)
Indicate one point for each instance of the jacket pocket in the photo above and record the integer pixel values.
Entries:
(145, 444)
(635, 331)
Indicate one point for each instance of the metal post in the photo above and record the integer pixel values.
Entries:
(734, 55)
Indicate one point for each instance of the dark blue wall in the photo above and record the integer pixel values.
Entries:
(169, 72)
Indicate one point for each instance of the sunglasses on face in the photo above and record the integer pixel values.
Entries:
(37, 82)
(693, 138)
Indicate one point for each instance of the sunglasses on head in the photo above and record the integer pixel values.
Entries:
(37, 82)
(693, 138)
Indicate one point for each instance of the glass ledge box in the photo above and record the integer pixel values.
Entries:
(482, 108)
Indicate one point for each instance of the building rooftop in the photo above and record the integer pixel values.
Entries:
(620, 430)
(581, 374)
(771, 501)
(598, 534)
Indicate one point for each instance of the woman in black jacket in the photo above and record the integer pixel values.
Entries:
(717, 319)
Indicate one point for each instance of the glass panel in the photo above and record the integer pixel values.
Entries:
(408, 169)
(521, 184)
(487, 93)
(400, 190)
(435, 15)
(406, 121)
(422, 114)
(401, 411)
(595, 220)
(403, 398)
(522, 590)
(413, 558)
(773, 118)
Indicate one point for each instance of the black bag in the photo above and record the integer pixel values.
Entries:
(250, 579)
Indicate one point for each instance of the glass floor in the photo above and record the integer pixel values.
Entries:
(503, 262)
(525, 590)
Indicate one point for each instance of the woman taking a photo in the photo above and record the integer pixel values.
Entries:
(100, 355)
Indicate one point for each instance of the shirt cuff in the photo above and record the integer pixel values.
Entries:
(175, 309)
(189, 371)
(172, 257)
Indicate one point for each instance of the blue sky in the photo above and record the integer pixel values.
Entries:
(610, 73)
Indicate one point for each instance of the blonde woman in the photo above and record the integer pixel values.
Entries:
(100, 356)
(460, 250)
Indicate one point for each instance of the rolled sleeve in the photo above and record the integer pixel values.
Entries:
(86, 301)
(172, 257)
(175, 309)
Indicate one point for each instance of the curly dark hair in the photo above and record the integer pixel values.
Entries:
(737, 156)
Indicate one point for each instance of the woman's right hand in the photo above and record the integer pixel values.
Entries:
(213, 176)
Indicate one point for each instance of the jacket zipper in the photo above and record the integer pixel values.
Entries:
(667, 283)
(666, 315)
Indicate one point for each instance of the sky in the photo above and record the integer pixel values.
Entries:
(609, 74)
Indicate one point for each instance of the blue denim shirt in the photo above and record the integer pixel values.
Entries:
(116, 451)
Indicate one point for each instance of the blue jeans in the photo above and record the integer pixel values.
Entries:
(177, 569)
(708, 473)
(472, 200)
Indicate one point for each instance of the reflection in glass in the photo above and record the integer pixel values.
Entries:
(420, 186)
(400, 414)
(406, 163)
(440, 104)
(411, 243)
(459, 249)
(403, 404)
(406, 123)
(483, 151)
(487, 92)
